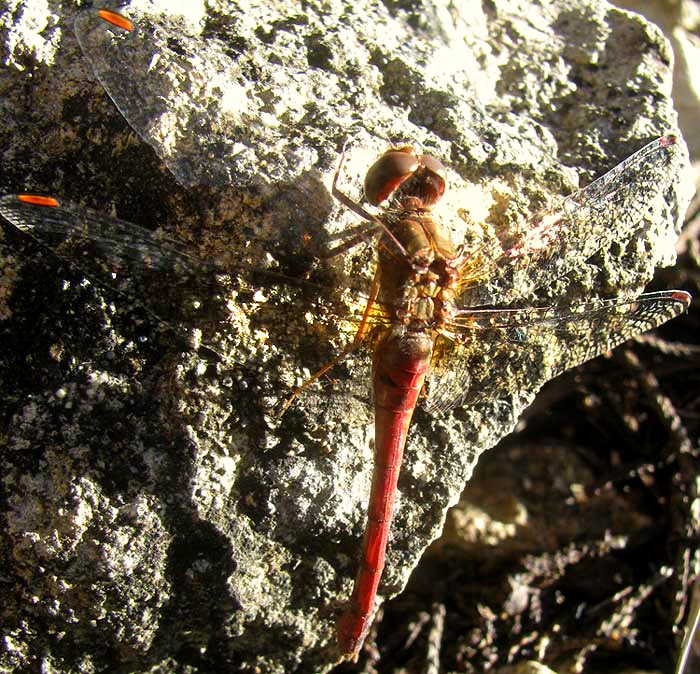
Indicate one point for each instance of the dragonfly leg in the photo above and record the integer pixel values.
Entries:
(364, 233)
(360, 335)
(363, 213)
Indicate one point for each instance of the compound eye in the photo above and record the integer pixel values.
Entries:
(435, 179)
(387, 174)
(434, 166)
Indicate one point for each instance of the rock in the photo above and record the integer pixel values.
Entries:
(157, 514)
(679, 22)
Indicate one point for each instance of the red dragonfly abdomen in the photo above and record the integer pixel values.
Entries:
(401, 362)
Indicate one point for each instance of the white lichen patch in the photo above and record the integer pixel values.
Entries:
(31, 28)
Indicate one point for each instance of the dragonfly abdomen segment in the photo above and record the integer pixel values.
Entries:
(401, 363)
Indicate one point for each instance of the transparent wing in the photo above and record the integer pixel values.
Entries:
(499, 352)
(190, 109)
(155, 270)
(493, 353)
(175, 283)
(78, 232)
(612, 208)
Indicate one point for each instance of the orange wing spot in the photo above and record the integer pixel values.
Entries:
(681, 296)
(38, 200)
(116, 19)
(668, 140)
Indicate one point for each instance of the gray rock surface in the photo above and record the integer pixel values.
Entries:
(155, 513)
(680, 22)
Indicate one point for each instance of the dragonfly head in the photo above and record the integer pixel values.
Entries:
(405, 175)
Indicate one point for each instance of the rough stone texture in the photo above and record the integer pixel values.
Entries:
(680, 21)
(154, 512)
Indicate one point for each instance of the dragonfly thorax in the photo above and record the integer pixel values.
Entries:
(427, 299)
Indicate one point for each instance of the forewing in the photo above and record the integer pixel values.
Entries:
(610, 209)
(156, 271)
(187, 107)
(77, 232)
(502, 352)
(180, 287)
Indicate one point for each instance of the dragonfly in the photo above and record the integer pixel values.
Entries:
(436, 327)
